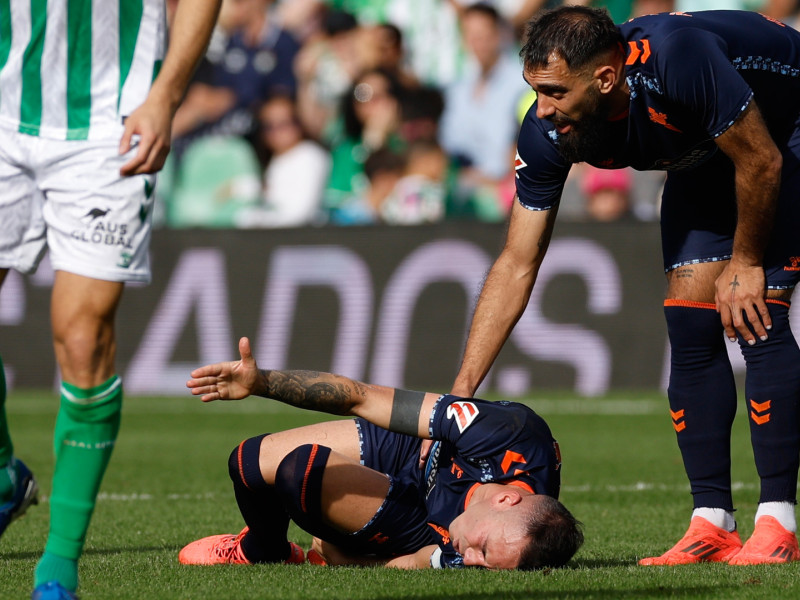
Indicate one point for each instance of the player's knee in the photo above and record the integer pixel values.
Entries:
(244, 467)
(83, 350)
(302, 470)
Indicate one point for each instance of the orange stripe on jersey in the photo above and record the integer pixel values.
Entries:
(521, 484)
(468, 497)
(305, 477)
(241, 467)
(690, 303)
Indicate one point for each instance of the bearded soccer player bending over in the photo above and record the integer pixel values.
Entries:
(483, 494)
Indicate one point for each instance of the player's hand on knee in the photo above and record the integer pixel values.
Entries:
(740, 301)
(231, 380)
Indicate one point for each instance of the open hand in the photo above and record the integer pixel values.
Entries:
(232, 380)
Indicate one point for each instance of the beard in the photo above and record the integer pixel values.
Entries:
(587, 140)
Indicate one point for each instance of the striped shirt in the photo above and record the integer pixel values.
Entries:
(72, 69)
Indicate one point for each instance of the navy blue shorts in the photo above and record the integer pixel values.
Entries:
(698, 217)
(400, 525)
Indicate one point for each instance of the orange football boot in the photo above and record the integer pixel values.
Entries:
(226, 549)
(703, 542)
(770, 543)
(315, 558)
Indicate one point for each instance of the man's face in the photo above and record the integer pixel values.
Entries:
(573, 103)
(490, 534)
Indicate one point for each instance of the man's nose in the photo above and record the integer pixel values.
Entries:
(544, 108)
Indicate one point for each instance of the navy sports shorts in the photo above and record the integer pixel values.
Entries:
(698, 217)
(398, 527)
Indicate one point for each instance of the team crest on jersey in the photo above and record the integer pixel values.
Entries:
(518, 164)
(464, 413)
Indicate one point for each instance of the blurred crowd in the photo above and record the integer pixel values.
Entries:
(354, 112)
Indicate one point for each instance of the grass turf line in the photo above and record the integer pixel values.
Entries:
(167, 485)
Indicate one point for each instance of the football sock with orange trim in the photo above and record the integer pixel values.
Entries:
(702, 398)
(772, 390)
(260, 505)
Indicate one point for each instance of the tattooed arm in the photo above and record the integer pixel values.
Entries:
(398, 410)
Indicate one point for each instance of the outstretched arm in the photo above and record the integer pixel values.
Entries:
(505, 294)
(397, 410)
(152, 121)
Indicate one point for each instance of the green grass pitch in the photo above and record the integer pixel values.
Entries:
(167, 485)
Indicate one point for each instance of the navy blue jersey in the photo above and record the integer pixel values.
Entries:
(484, 442)
(690, 75)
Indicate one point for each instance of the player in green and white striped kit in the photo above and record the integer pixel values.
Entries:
(86, 107)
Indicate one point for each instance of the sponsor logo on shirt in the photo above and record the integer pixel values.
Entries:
(464, 414)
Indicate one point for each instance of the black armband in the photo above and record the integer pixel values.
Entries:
(406, 407)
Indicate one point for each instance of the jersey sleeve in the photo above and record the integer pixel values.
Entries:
(698, 74)
(479, 428)
(540, 170)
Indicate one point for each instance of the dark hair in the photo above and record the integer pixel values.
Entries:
(487, 10)
(353, 128)
(394, 33)
(555, 536)
(578, 34)
(335, 22)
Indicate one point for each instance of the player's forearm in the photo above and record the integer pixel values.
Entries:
(311, 390)
(502, 301)
(191, 29)
(421, 559)
(757, 186)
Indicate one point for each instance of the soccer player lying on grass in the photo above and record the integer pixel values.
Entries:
(371, 492)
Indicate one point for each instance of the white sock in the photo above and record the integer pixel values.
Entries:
(782, 511)
(716, 516)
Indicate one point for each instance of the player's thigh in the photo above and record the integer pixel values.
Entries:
(340, 436)
(98, 222)
(698, 221)
(22, 226)
(782, 257)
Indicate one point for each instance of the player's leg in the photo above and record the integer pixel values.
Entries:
(252, 467)
(22, 244)
(98, 228)
(82, 313)
(772, 386)
(697, 227)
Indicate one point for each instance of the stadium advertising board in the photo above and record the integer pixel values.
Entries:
(390, 305)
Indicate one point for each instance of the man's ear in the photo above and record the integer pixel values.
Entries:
(606, 78)
(507, 497)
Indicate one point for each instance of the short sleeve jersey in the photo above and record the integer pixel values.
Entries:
(690, 76)
(484, 442)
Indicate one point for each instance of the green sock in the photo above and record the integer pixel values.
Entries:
(52, 567)
(6, 447)
(86, 429)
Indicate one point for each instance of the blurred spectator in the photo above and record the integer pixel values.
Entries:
(479, 125)
(421, 109)
(387, 40)
(296, 171)
(786, 11)
(419, 195)
(382, 170)
(608, 195)
(249, 58)
(652, 7)
(326, 68)
(370, 120)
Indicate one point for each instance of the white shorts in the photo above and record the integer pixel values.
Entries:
(68, 196)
